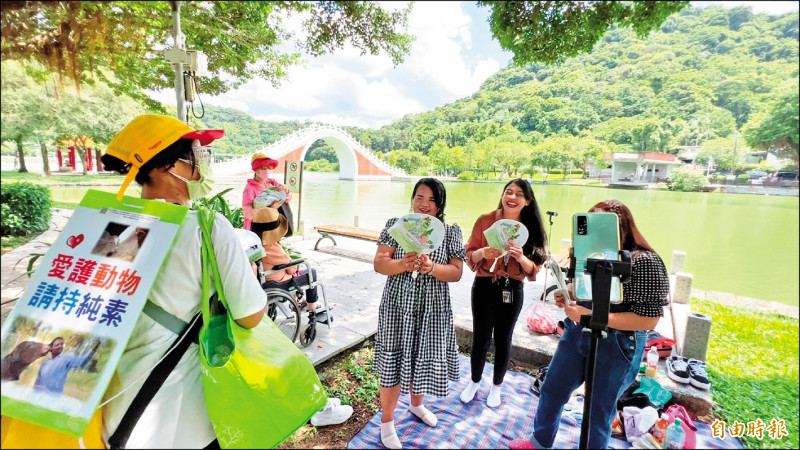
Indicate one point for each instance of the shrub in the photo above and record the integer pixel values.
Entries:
(321, 165)
(742, 179)
(25, 208)
(467, 176)
(686, 179)
(561, 172)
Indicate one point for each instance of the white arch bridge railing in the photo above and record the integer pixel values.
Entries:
(301, 137)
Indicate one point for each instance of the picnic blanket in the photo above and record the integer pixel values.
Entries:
(475, 425)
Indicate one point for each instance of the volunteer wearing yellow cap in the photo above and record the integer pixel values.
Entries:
(262, 166)
(170, 160)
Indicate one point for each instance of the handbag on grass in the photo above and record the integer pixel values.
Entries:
(258, 386)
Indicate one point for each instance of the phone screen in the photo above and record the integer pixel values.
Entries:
(594, 235)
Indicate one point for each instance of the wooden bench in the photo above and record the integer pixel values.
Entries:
(328, 231)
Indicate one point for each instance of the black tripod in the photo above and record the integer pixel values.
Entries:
(596, 323)
(552, 214)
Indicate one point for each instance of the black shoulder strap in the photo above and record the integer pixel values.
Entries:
(154, 381)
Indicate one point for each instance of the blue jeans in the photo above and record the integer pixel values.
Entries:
(618, 358)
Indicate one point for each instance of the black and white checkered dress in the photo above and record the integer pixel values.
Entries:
(416, 341)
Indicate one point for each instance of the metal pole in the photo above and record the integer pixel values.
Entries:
(179, 44)
(733, 163)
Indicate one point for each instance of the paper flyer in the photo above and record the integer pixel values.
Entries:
(62, 341)
(505, 230)
(418, 233)
(558, 276)
(268, 197)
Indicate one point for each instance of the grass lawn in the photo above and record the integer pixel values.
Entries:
(12, 176)
(753, 365)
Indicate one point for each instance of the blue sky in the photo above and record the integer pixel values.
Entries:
(453, 54)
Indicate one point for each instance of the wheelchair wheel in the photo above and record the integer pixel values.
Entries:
(307, 335)
(282, 309)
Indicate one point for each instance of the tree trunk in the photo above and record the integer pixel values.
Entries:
(45, 159)
(81, 150)
(21, 157)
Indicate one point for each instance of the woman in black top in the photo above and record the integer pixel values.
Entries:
(618, 355)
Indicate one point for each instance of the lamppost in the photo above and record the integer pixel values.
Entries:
(177, 56)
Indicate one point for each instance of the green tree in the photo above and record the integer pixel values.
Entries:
(550, 31)
(777, 129)
(720, 150)
(409, 161)
(547, 155)
(242, 40)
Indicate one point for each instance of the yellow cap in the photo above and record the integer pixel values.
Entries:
(257, 156)
(145, 136)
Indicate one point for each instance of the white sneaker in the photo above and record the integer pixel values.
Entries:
(333, 413)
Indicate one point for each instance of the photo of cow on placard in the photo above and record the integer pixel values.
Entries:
(120, 241)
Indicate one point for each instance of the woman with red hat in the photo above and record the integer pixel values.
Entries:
(261, 165)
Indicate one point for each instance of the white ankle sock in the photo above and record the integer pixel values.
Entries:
(494, 396)
(469, 392)
(389, 437)
(424, 414)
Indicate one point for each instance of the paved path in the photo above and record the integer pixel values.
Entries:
(353, 290)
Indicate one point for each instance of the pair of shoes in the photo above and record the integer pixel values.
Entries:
(691, 371)
(698, 374)
(678, 369)
(521, 443)
(333, 413)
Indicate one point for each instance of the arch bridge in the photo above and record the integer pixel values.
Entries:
(356, 162)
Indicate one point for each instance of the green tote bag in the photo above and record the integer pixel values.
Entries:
(259, 388)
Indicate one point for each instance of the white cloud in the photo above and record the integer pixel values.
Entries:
(346, 88)
(772, 8)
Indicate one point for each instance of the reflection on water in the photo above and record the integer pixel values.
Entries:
(744, 244)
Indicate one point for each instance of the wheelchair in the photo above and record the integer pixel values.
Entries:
(283, 302)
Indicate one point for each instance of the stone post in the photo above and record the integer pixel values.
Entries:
(678, 259)
(698, 333)
(355, 221)
(682, 292)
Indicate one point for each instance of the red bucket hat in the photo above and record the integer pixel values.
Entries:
(260, 160)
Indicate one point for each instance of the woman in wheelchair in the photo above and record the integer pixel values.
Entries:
(271, 227)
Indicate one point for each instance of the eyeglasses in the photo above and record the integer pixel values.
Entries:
(203, 154)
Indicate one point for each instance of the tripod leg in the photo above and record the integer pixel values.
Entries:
(587, 398)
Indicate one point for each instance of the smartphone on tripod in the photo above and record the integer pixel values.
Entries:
(594, 235)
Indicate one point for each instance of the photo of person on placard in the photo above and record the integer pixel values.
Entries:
(41, 360)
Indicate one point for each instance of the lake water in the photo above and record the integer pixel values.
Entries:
(737, 243)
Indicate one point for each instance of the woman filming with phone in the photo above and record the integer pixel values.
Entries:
(618, 355)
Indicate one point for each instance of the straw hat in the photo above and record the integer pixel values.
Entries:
(260, 160)
(145, 136)
(269, 224)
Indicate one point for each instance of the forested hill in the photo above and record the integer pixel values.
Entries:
(702, 76)
(704, 73)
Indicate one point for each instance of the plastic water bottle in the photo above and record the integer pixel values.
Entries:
(659, 430)
(652, 362)
(675, 435)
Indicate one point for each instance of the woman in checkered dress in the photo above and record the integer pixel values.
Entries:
(415, 349)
